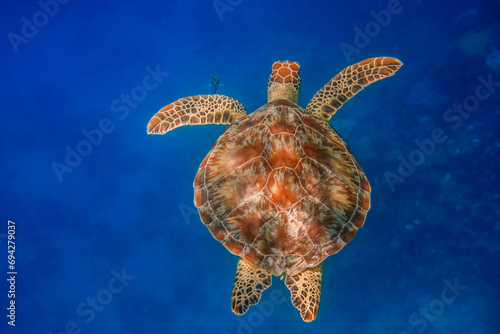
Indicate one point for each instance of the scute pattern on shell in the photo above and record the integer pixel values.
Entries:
(281, 189)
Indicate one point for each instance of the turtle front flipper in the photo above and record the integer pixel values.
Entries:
(249, 283)
(347, 83)
(305, 288)
(198, 109)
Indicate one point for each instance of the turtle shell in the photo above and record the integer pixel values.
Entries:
(281, 189)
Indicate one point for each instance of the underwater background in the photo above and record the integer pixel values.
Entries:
(107, 239)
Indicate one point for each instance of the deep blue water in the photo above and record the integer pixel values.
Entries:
(111, 242)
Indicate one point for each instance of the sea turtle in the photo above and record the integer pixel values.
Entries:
(280, 188)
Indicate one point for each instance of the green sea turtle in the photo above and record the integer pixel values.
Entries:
(280, 188)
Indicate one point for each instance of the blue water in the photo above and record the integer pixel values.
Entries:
(110, 242)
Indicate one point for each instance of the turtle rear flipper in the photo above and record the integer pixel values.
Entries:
(249, 283)
(198, 109)
(348, 83)
(305, 288)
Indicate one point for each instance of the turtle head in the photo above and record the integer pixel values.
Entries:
(284, 82)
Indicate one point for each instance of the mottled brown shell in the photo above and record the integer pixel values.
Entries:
(281, 189)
